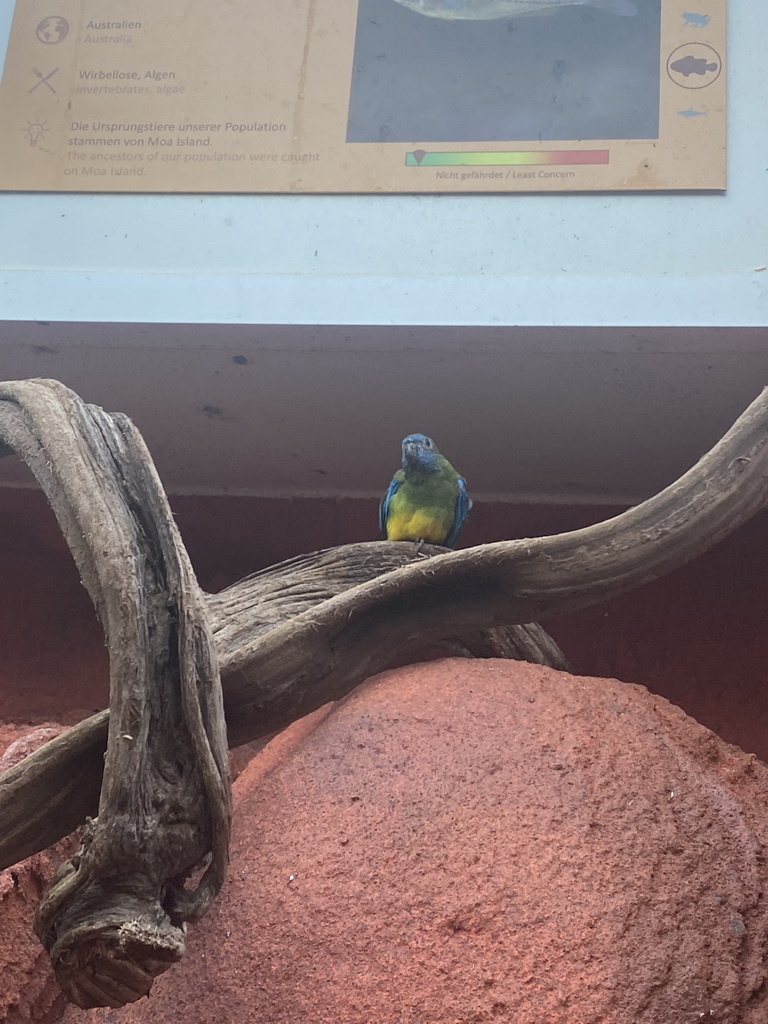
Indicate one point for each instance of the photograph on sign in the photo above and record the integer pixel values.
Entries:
(505, 70)
(374, 96)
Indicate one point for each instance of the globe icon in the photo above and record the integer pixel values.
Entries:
(52, 29)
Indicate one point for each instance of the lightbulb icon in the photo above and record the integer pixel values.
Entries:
(35, 131)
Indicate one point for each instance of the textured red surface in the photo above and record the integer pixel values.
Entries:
(28, 990)
(466, 842)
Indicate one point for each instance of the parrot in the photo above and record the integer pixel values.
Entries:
(427, 499)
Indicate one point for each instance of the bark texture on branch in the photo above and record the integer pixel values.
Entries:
(115, 915)
(298, 635)
(320, 654)
(50, 793)
(292, 637)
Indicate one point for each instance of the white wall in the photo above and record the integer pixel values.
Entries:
(533, 259)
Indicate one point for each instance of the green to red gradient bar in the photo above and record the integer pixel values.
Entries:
(422, 158)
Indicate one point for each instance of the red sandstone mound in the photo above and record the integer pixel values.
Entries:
(28, 990)
(462, 842)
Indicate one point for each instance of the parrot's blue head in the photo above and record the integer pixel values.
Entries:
(420, 451)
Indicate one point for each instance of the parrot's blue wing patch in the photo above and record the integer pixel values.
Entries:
(384, 506)
(460, 513)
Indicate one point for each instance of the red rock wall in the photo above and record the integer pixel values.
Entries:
(697, 637)
(468, 842)
(480, 842)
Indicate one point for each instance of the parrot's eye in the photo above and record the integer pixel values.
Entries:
(427, 443)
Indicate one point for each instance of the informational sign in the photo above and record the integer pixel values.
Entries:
(368, 96)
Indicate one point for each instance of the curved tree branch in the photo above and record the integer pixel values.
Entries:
(320, 654)
(50, 793)
(114, 916)
(277, 666)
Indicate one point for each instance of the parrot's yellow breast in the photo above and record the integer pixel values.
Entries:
(418, 524)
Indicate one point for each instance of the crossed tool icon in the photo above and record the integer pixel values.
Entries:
(44, 79)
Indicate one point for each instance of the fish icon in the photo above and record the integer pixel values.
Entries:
(693, 20)
(489, 10)
(690, 112)
(693, 66)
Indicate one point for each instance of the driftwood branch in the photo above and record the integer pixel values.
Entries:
(292, 638)
(320, 654)
(114, 916)
(49, 794)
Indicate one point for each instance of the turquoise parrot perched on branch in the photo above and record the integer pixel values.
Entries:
(427, 499)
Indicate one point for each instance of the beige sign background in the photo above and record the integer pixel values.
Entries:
(375, 96)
